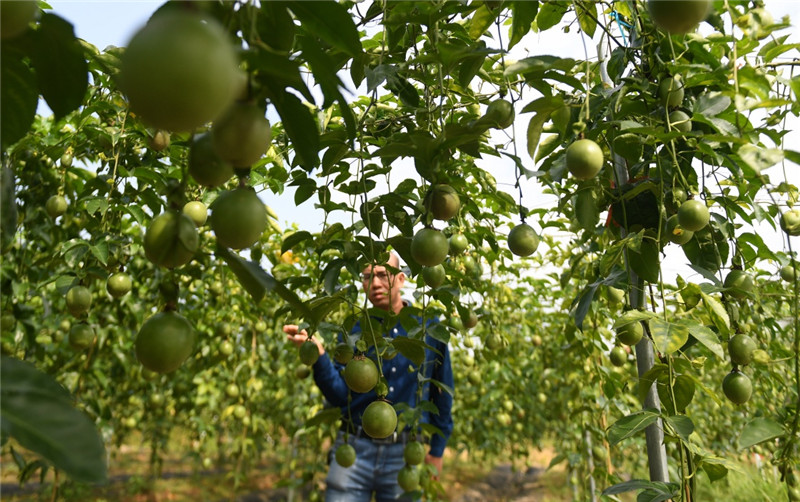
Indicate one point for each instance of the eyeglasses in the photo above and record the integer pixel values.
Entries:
(383, 276)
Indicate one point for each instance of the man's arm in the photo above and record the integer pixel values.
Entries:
(443, 400)
(326, 374)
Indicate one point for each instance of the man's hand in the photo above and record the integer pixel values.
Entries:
(436, 462)
(298, 337)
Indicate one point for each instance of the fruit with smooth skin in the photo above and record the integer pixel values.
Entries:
(238, 218)
(379, 419)
(242, 135)
(345, 455)
(693, 215)
(118, 284)
(205, 166)
(361, 374)
(434, 276)
(226, 348)
(55, 205)
(79, 300)
(680, 121)
(738, 284)
(171, 239)
(677, 234)
(159, 141)
(615, 295)
(164, 342)
(81, 336)
(737, 387)
(309, 353)
(523, 240)
(414, 453)
(196, 211)
(16, 17)
(584, 159)
(180, 71)
(408, 478)
(670, 91)
(499, 114)
(232, 390)
(788, 273)
(790, 222)
(444, 202)
(458, 244)
(429, 247)
(678, 16)
(471, 320)
(343, 353)
(742, 349)
(630, 333)
(618, 356)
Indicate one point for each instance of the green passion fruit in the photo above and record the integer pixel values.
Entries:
(81, 336)
(242, 135)
(429, 247)
(309, 353)
(164, 342)
(676, 233)
(584, 159)
(55, 205)
(16, 17)
(197, 211)
(788, 273)
(180, 71)
(444, 202)
(680, 121)
(742, 349)
(737, 387)
(523, 240)
(408, 478)
(499, 114)
(738, 284)
(343, 353)
(670, 91)
(345, 455)
(693, 215)
(458, 244)
(434, 276)
(414, 453)
(618, 356)
(118, 284)
(171, 239)
(79, 300)
(678, 16)
(361, 374)
(205, 166)
(630, 333)
(790, 222)
(379, 419)
(238, 218)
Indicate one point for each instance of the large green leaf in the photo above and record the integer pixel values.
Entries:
(631, 425)
(19, 95)
(37, 412)
(668, 336)
(758, 430)
(411, 348)
(524, 14)
(299, 124)
(329, 21)
(60, 64)
(644, 261)
(705, 336)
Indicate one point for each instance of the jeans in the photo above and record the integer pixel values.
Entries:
(375, 472)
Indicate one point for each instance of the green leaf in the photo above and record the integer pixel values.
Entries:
(587, 16)
(480, 21)
(705, 336)
(8, 207)
(326, 416)
(294, 239)
(100, 251)
(257, 282)
(299, 124)
(630, 425)
(682, 425)
(280, 69)
(403, 89)
(413, 349)
(331, 275)
(275, 26)
(758, 430)
(60, 64)
(711, 104)
(717, 313)
(645, 261)
(582, 304)
(648, 378)
(331, 22)
(632, 316)
(667, 336)
(37, 412)
(19, 95)
(524, 14)
(760, 158)
(550, 14)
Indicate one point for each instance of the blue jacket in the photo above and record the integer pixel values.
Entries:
(402, 378)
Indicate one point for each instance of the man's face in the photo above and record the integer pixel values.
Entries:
(381, 286)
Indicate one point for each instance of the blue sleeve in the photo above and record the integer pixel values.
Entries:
(443, 372)
(330, 381)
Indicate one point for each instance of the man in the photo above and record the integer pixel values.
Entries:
(378, 461)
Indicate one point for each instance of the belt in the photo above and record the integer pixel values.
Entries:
(396, 437)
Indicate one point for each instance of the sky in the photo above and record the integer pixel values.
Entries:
(103, 23)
